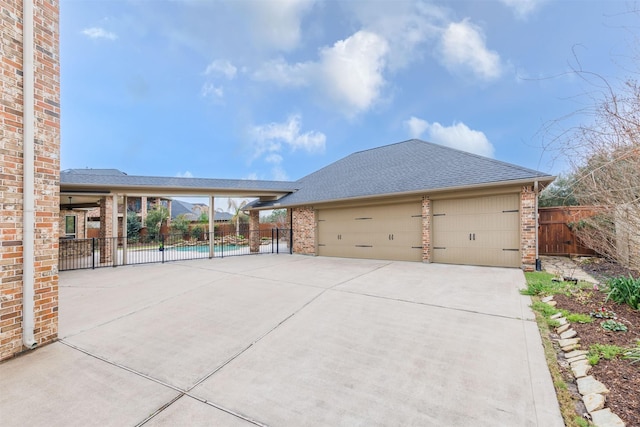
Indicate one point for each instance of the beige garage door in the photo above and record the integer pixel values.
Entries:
(477, 231)
(391, 232)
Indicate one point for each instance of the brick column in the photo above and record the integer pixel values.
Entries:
(304, 231)
(46, 174)
(254, 231)
(106, 229)
(528, 232)
(426, 229)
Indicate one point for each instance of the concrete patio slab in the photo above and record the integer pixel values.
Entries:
(191, 412)
(88, 300)
(286, 340)
(478, 289)
(182, 339)
(59, 386)
(379, 362)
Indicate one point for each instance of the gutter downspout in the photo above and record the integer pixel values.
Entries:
(28, 186)
(538, 263)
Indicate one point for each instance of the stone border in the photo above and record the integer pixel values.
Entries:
(592, 391)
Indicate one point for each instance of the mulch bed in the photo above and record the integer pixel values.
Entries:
(620, 376)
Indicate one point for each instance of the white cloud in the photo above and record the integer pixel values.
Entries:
(273, 158)
(352, 70)
(523, 8)
(186, 174)
(349, 73)
(276, 24)
(406, 26)
(212, 91)
(416, 126)
(457, 136)
(463, 49)
(279, 174)
(221, 67)
(99, 33)
(271, 137)
(282, 73)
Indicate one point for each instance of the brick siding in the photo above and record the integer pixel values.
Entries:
(47, 174)
(426, 229)
(304, 231)
(528, 230)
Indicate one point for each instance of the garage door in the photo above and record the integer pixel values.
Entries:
(391, 232)
(477, 231)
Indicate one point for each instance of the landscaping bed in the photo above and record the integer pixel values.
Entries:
(587, 308)
(620, 376)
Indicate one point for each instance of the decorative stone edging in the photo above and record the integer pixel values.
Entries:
(593, 392)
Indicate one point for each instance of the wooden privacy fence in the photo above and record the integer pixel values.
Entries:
(554, 235)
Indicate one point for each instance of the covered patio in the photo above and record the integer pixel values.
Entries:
(111, 191)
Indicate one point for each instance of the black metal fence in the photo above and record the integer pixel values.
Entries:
(76, 254)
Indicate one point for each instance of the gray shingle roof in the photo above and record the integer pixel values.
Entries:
(108, 178)
(404, 167)
(88, 171)
(180, 207)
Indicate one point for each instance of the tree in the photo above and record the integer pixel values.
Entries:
(604, 152)
(134, 225)
(559, 193)
(278, 217)
(155, 218)
(180, 224)
(236, 212)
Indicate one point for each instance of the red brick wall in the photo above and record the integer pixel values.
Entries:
(304, 231)
(528, 228)
(47, 173)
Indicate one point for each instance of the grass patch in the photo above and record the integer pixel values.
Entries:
(565, 398)
(540, 283)
(579, 318)
(603, 351)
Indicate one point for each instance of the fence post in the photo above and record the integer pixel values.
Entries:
(291, 241)
(93, 253)
(272, 240)
(162, 246)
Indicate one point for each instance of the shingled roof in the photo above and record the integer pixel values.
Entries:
(406, 167)
(116, 179)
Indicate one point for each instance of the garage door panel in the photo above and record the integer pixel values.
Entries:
(377, 232)
(479, 231)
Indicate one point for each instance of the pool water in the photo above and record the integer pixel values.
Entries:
(205, 249)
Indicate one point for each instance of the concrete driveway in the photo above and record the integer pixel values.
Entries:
(286, 340)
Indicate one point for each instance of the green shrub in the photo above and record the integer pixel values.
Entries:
(134, 225)
(612, 325)
(625, 290)
(180, 224)
(197, 232)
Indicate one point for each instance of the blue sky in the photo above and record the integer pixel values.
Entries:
(278, 89)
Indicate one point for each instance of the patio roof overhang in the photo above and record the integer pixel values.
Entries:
(85, 191)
